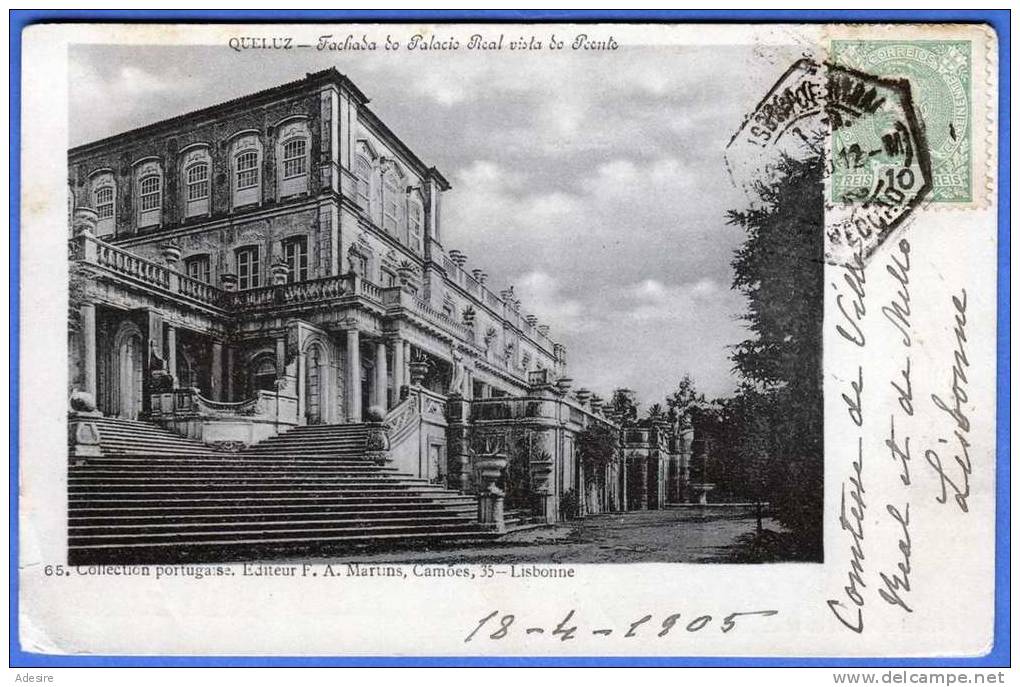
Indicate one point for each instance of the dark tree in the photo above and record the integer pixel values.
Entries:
(779, 268)
(685, 398)
(623, 405)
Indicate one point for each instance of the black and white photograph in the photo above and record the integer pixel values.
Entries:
(446, 313)
(507, 340)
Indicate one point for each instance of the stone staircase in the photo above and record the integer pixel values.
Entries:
(134, 437)
(155, 497)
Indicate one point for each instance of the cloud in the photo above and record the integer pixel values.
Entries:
(544, 297)
(592, 182)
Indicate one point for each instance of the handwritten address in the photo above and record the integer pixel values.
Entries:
(949, 458)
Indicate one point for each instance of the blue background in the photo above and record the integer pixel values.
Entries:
(997, 19)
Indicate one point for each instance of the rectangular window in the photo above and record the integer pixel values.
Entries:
(198, 182)
(294, 163)
(414, 222)
(391, 207)
(364, 175)
(248, 268)
(198, 268)
(104, 203)
(247, 170)
(150, 195)
(387, 279)
(295, 252)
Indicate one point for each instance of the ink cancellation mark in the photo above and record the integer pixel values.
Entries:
(822, 111)
(940, 74)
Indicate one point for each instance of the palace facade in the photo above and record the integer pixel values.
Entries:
(278, 261)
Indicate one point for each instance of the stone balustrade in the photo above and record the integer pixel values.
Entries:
(88, 249)
(128, 264)
(188, 413)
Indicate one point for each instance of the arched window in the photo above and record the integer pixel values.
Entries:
(197, 188)
(294, 162)
(104, 202)
(196, 166)
(246, 166)
(363, 170)
(263, 373)
(293, 157)
(150, 194)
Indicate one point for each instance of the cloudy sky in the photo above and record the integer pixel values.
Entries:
(594, 183)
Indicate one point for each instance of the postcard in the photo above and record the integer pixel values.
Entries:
(453, 339)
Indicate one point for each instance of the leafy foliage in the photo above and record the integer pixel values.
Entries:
(597, 446)
(623, 405)
(776, 418)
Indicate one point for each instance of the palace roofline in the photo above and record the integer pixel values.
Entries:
(320, 78)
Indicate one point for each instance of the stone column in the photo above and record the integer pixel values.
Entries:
(281, 356)
(624, 486)
(353, 376)
(216, 373)
(407, 362)
(88, 334)
(231, 373)
(380, 374)
(642, 492)
(171, 352)
(399, 379)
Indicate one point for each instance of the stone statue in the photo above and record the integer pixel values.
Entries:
(160, 379)
(459, 380)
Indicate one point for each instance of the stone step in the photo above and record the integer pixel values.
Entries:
(280, 495)
(255, 479)
(268, 549)
(154, 496)
(141, 460)
(218, 472)
(247, 526)
(81, 516)
(323, 531)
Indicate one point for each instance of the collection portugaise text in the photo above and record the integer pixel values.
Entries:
(315, 570)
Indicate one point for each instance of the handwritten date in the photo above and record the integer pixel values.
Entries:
(500, 626)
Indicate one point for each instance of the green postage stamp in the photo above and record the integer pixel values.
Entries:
(939, 73)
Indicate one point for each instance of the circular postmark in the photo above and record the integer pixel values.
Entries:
(865, 127)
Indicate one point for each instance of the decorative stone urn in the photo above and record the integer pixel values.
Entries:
(228, 281)
(418, 368)
(278, 272)
(563, 384)
(543, 329)
(84, 222)
(490, 497)
(582, 396)
(458, 258)
(377, 443)
(171, 254)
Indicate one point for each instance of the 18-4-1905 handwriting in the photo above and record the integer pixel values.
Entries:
(496, 625)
